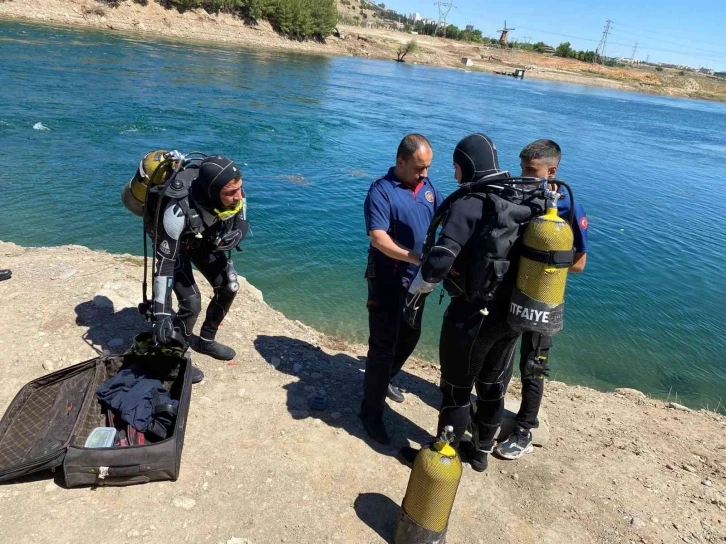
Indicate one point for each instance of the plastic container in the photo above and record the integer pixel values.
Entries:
(101, 437)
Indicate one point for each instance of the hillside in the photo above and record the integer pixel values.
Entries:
(378, 43)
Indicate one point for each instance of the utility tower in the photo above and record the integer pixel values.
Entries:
(527, 39)
(504, 36)
(444, 9)
(635, 48)
(600, 51)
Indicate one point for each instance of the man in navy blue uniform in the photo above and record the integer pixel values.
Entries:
(398, 210)
(540, 159)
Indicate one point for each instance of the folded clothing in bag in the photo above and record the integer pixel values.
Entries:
(141, 402)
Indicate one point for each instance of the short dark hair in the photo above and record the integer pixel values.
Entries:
(410, 144)
(542, 149)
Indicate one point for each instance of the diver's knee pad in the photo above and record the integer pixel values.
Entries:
(190, 306)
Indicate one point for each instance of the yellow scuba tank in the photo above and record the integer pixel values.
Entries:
(133, 194)
(538, 299)
(430, 494)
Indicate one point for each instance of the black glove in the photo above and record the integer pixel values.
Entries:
(234, 235)
(412, 309)
(165, 334)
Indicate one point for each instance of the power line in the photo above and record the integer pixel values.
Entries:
(719, 56)
(671, 42)
(667, 35)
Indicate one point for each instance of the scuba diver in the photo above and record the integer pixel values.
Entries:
(476, 255)
(194, 210)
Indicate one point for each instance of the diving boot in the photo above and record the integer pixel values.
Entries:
(197, 374)
(212, 348)
(478, 459)
(376, 429)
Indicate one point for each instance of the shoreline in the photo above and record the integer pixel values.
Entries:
(199, 27)
(346, 344)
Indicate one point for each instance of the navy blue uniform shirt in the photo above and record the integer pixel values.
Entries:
(405, 214)
(579, 221)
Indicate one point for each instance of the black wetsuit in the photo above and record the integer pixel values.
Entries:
(477, 345)
(177, 249)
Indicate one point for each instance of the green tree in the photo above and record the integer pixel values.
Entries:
(564, 50)
(405, 49)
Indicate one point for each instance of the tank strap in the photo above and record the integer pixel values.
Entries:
(195, 221)
(556, 259)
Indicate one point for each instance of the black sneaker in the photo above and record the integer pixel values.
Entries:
(517, 445)
(197, 374)
(478, 459)
(212, 348)
(376, 429)
(394, 393)
(5, 274)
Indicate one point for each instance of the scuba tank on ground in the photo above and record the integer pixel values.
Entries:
(154, 169)
(538, 299)
(430, 494)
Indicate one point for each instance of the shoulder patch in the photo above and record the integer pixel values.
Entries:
(583, 223)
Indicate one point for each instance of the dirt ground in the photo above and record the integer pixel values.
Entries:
(260, 467)
(197, 25)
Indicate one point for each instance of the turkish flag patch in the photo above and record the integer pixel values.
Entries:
(583, 223)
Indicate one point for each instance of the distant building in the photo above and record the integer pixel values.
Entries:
(398, 26)
(629, 61)
(706, 71)
(370, 24)
(466, 61)
(428, 21)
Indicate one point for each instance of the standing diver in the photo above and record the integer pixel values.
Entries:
(197, 219)
(477, 254)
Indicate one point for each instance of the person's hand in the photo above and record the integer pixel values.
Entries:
(163, 330)
(412, 308)
(414, 258)
(234, 236)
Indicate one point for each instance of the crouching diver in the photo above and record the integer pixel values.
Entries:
(195, 218)
(475, 255)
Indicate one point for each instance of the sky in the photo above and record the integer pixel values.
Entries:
(689, 33)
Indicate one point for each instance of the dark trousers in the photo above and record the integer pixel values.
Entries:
(219, 271)
(475, 350)
(532, 380)
(391, 340)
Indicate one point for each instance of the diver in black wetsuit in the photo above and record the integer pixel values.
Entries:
(477, 254)
(200, 226)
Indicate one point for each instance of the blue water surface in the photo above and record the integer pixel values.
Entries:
(311, 134)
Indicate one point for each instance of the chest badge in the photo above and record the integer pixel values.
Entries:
(429, 196)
